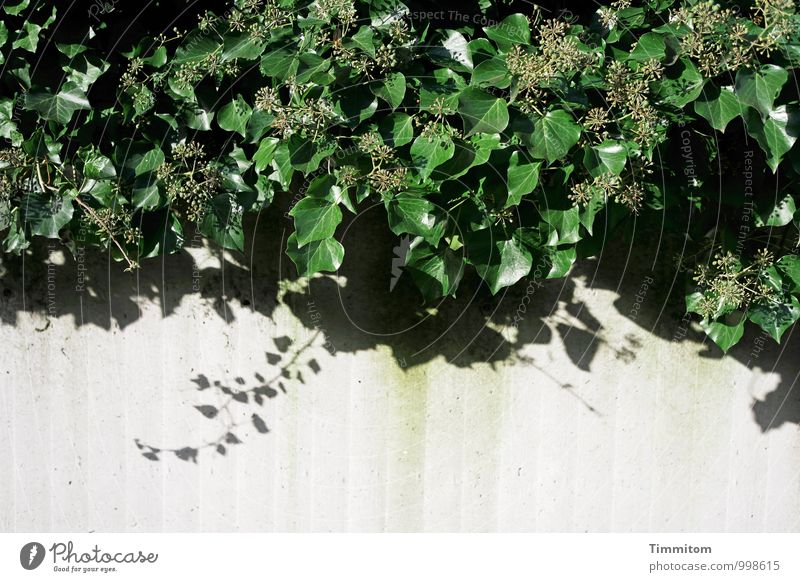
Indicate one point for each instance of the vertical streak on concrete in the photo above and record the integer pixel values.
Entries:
(408, 397)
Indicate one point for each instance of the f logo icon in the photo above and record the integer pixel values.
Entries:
(31, 555)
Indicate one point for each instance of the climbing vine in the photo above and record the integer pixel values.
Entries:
(495, 143)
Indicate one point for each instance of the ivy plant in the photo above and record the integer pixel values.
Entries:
(496, 144)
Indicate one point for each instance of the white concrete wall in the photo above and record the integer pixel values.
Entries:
(586, 421)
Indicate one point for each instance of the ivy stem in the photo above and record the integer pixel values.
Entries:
(90, 211)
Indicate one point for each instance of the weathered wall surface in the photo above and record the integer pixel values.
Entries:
(589, 414)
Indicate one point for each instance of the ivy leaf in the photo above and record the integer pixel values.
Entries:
(392, 89)
(511, 31)
(315, 257)
(561, 262)
(429, 152)
(162, 236)
(241, 45)
(682, 83)
(397, 129)
(98, 167)
(362, 39)
(775, 318)
(305, 155)
(454, 52)
(500, 263)
(222, 222)
(760, 88)
(197, 47)
(234, 116)
(523, 177)
(146, 194)
(564, 225)
(14, 9)
(790, 267)
(482, 112)
(149, 162)
(58, 107)
(650, 45)
(314, 69)
(355, 105)
(279, 64)
(436, 273)
(410, 214)
(554, 135)
(777, 134)
(46, 214)
(608, 157)
(315, 219)
(723, 334)
(265, 153)
(492, 72)
(780, 214)
(718, 105)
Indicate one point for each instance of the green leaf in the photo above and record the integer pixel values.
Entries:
(15, 8)
(410, 214)
(554, 135)
(241, 45)
(718, 106)
(523, 177)
(149, 162)
(146, 194)
(682, 83)
(777, 134)
(608, 157)
(222, 222)
(564, 225)
(482, 112)
(780, 214)
(429, 152)
(46, 214)
(265, 153)
(280, 64)
(760, 88)
(197, 47)
(316, 256)
(650, 45)
(723, 334)
(305, 155)
(392, 89)
(58, 107)
(355, 105)
(492, 72)
(98, 167)
(789, 265)
(500, 263)
(313, 68)
(163, 237)
(397, 129)
(28, 37)
(234, 115)
(775, 318)
(453, 52)
(561, 262)
(362, 40)
(511, 31)
(436, 273)
(315, 219)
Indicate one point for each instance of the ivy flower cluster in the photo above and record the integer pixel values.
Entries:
(557, 54)
(727, 284)
(189, 180)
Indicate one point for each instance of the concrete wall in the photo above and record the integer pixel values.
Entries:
(382, 414)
